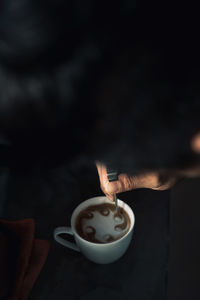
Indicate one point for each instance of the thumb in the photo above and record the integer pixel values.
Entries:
(112, 188)
(125, 183)
(109, 188)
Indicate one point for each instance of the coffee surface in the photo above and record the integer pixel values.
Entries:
(101, 223)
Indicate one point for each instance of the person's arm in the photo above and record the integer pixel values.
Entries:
(127, 183)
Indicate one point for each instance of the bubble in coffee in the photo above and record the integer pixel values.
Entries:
(101, 223)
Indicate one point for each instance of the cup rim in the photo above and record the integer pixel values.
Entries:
(109, 243)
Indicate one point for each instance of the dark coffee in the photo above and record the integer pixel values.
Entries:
(102, 224)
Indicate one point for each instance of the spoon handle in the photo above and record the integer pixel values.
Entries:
(113, 176)
(116, 203)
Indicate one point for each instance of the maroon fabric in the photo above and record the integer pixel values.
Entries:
(21, 258)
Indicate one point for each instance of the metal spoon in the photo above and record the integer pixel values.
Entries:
(113, 176)
(116, 203)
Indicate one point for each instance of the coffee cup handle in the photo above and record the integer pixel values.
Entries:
(62, 241)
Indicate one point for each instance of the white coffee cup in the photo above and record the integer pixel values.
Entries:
(96, 252)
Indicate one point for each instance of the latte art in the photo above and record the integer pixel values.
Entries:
(101, 223)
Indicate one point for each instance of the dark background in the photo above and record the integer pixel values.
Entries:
(164, 253)
(184, 277)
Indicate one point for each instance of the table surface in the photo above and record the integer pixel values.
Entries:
(50, 196)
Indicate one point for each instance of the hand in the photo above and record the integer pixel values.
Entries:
(127, 183)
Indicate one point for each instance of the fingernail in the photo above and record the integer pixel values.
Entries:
(109, 197)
